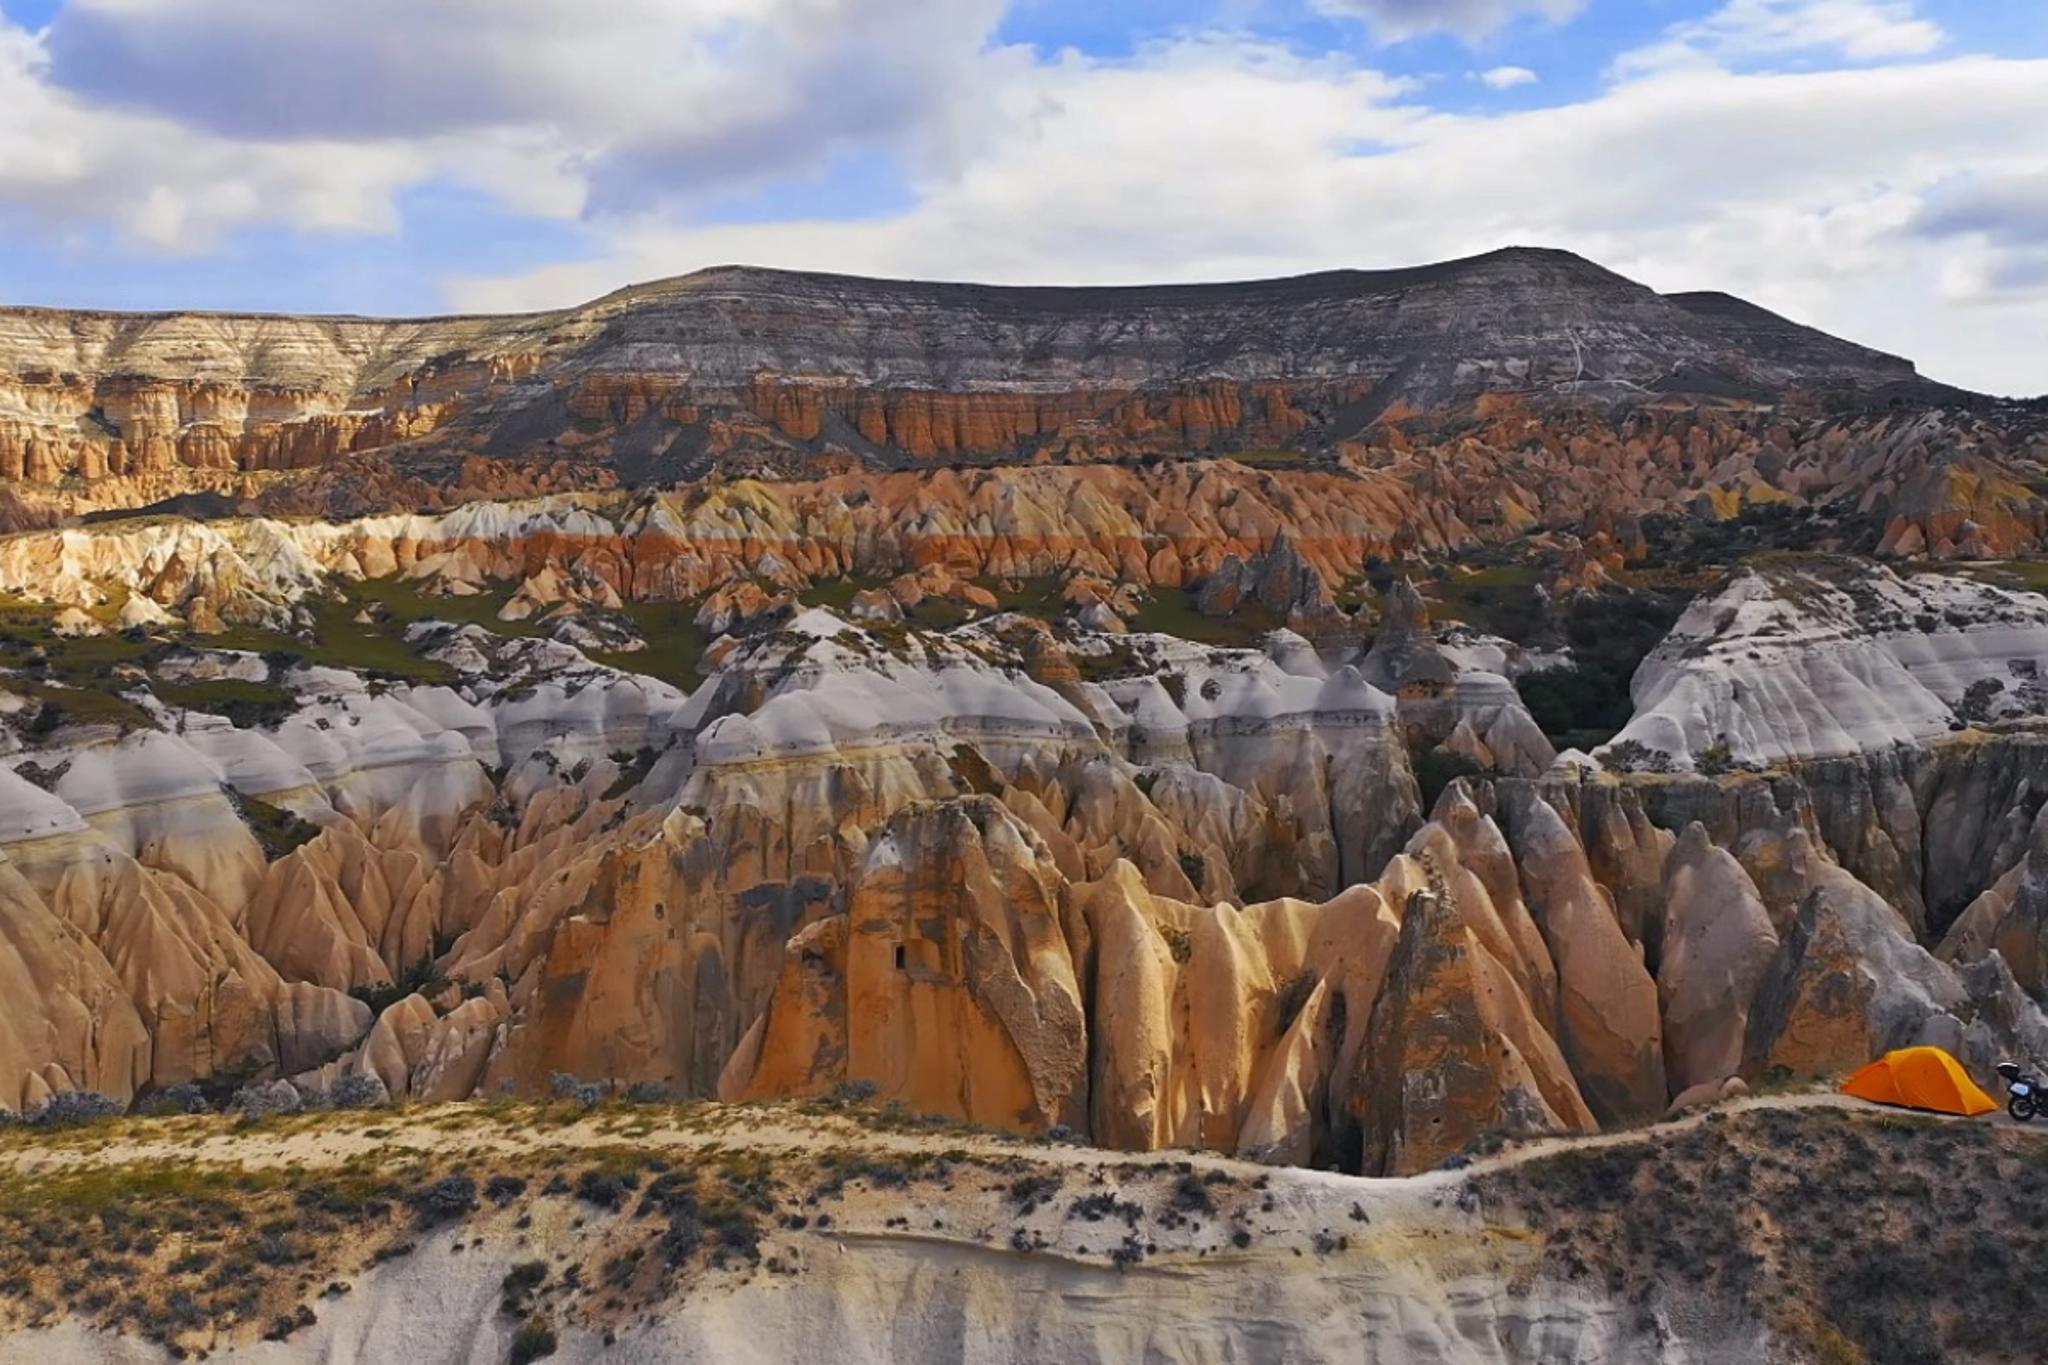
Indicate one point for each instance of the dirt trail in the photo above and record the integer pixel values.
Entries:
(330, 1141)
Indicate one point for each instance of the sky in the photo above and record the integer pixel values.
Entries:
(1878, 168)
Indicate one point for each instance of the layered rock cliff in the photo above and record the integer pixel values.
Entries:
(739, 364)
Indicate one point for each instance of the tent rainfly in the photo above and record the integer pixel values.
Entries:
(1920, 1078)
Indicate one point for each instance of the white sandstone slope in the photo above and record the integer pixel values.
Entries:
(1819, 658)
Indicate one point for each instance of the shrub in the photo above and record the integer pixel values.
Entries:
(535, 1340)
(274, 1248)
(685, 1231)
(447, 1199)
(1029, 1191)
(848, 1093)
(1438, 769)
(515, 1291)
(739, 1234)
(282, 1326)
(1094, 1208)
(358, 1092)
(602, 1188)
(260, 1101)
(1191, 1195)
(1634, 756)
(183, 1098)
(74, 1109)
(421, 978)
(1292, 999)
(276, 830)
(1979, 700)
(564, 1086)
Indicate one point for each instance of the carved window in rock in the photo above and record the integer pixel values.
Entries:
(929, 948)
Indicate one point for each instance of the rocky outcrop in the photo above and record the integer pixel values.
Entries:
(1404, 660)
(1850, 981)
(1279, 584)
(1457, 1049)
(1609, 1024)
(1716, 946)
(2010, 918)
(1819, 658)
(69, 1024)
(954, 976)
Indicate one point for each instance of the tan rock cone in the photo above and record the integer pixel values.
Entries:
(962, 990)
(1456, 1049)
(1608, 1022)
(2010, 917)
(1717, 944)
(954, 978)
(61, 1006)
(1471, 855)
(629, 958)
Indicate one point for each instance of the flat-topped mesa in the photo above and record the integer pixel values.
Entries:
(781, 368)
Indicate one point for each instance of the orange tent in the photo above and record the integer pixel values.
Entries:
(1920, 1078)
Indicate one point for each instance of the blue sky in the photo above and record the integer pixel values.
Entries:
(1871, 166)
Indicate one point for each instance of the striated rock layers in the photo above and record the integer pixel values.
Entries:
(1513, 390)
(1804, 657)
(663, 370)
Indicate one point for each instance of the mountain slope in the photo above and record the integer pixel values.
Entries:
(737, 365)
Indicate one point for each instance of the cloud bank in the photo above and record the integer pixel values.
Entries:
(1828, 158)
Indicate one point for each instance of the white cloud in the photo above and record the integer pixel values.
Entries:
(1395, 20)
(1995, 227)
(1507, 77)
(612, 107)
(1891, 203)
(1750, 30)
(64, 162)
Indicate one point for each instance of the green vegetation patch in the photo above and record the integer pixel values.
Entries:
(1500, 600)
(377, 648)
(277, 831)
(1680, 544)
(76, 680)
(1042, 599)
(675, 644)
(2022, 575)
(249, 705)
(1168, 612)
(403, 601)
(1586, 703)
